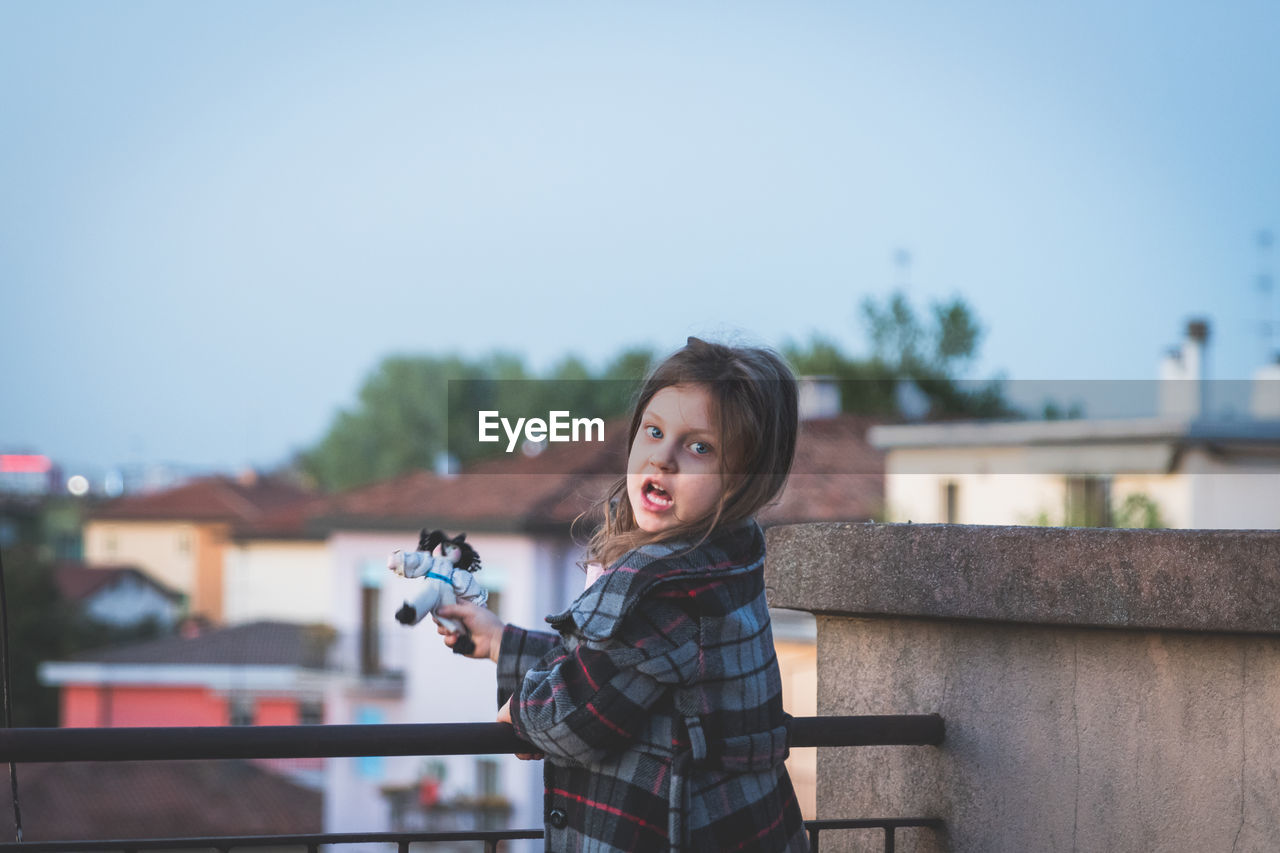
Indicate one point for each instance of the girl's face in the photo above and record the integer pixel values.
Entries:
(673, 472)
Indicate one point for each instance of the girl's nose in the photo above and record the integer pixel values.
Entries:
(662, 458)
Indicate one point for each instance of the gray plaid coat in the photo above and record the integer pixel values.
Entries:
(659, 706)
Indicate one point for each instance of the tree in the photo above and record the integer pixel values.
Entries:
(909, 349)
(411, 410)
(399, 424)
(44, 626)
(932, 357)
(866, 386)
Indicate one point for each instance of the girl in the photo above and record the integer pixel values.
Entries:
(657, 702)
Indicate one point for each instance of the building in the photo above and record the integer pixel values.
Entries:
(178, 536)
(324, 560)
(119, 596)
(519, 512)
(260, 673)
(1133, 473)
(1193, 465)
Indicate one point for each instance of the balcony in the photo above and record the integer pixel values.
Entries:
(282, 742)
(1102, 690)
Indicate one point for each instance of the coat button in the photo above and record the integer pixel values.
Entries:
(558, 818)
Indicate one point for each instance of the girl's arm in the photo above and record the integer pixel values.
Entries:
(513, 649)
(518, 652)
(589, 702)
(482, 624)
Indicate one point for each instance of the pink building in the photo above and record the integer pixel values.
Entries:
(261, 673)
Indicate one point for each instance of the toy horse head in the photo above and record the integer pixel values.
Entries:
(468, 559)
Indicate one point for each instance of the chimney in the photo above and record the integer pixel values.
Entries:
(819, 397)
(1183, 374)
(1264, 401)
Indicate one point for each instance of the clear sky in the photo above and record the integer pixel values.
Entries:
(216, 218)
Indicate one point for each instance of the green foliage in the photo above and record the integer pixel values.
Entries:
(409, 406)
(1055, 412)
(43, 626)
(39, 628)
(1140, 511)
(904, 348)
(910, 349)
(865, 386)
(399, 424)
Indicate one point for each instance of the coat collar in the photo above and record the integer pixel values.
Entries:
(597, 613)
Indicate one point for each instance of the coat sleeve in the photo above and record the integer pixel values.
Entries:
(519, 651)
(585, 699)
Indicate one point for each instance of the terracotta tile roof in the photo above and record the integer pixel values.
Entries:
(516, 492)
(206, 499)
(76, 581)
(837, 476)
(83, 801)
(291, 521)
(255, 643)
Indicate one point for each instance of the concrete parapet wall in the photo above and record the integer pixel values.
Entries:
(1103, 690)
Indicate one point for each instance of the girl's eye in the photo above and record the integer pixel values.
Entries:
(653, 431)
(700, 447)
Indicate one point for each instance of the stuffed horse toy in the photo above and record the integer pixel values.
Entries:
(449, 576)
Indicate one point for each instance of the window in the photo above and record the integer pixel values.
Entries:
(488, 778)
(241, 710)
(951, 502)
(1088, 502)
(371, 577)
(370, 659)
(311, 713)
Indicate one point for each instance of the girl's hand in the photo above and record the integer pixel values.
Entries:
(504, 716)
(482, 624)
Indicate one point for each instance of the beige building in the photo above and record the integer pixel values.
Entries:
(1168, 472)
(179, 536)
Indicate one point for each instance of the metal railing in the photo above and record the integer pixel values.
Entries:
(345, 741)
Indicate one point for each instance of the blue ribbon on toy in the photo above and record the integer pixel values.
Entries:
(439, 577)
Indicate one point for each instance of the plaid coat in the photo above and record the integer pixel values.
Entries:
(659, 706)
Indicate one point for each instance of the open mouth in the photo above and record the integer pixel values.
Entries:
(656, 498)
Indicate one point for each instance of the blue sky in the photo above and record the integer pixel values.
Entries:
(216, 218)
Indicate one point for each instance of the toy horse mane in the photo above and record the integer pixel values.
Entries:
(469, 559)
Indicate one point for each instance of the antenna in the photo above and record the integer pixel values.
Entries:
(1268, 325)
(902, 260)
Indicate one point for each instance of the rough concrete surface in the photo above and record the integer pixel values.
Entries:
(1214, 580)
(1059, 737)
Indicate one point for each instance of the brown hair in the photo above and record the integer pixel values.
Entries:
(754, 406)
